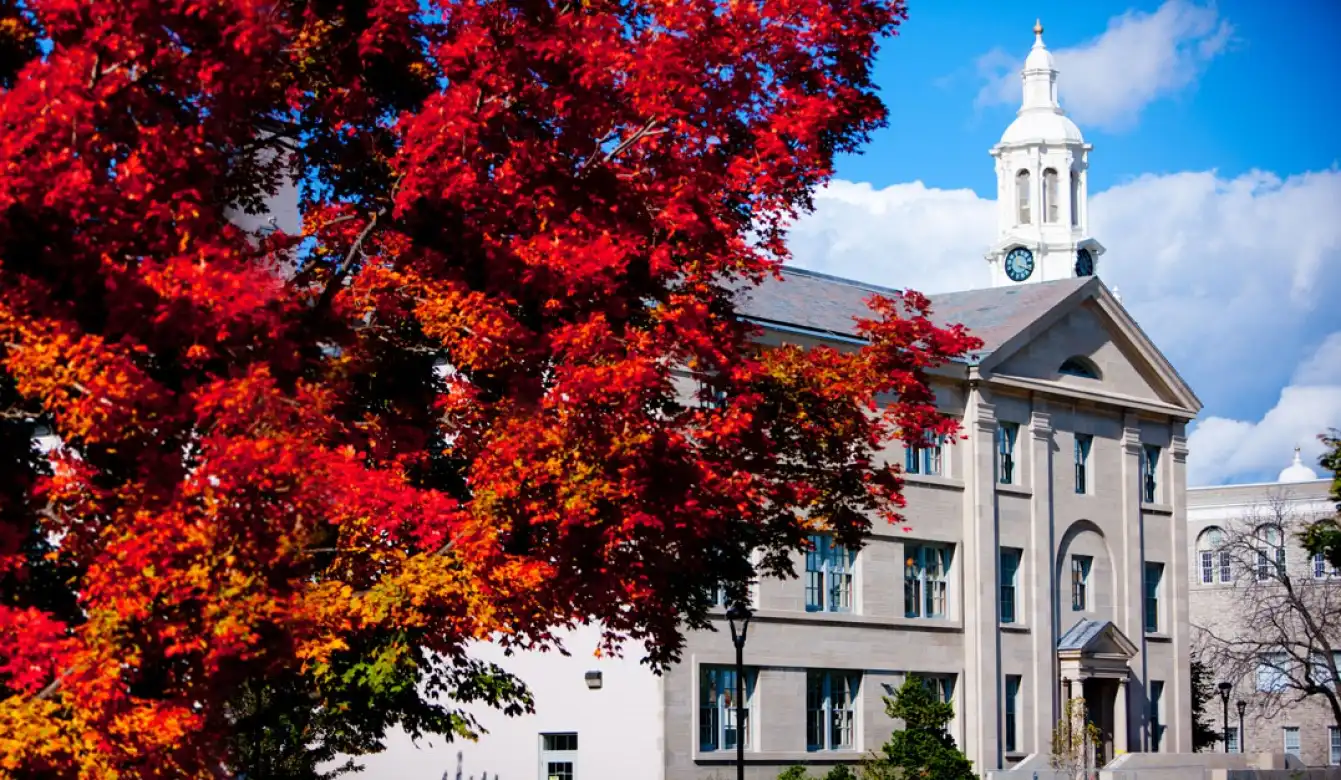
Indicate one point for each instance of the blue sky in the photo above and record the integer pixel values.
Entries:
(1267, 101)
(1215, 184)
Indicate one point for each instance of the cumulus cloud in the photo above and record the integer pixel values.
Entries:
(1235, 280)
(1222, 449)
(1141, 57)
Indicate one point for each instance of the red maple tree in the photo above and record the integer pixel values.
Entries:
(468, 398)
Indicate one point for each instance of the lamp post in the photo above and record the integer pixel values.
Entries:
(1224, 689)
(1242, 705)
(739, 613)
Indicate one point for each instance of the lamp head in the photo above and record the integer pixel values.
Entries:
(1225, 688)
(1241, 705)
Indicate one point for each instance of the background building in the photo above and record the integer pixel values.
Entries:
(1044, 557)
(1252, 631)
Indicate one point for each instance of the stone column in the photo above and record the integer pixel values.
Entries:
(978, 578)
(1129, 548)
(1178, 691)
(1121, 726)
(1040, 571)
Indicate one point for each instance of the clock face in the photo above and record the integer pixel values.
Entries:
(1084, 263)
(1019, 264)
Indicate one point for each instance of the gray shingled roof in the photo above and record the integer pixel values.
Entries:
(829, 304)
(1081, 633)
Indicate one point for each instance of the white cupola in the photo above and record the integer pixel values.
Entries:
(1297, 471)
(1042, 203)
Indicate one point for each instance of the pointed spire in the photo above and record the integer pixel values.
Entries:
(1040, 76)
(1297, 461)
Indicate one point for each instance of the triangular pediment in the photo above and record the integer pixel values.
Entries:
(1089, 345)
(1096, 638)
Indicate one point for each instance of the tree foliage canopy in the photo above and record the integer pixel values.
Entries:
(1324, 536)
(1204, 734)
(451, 404)
(923, 747)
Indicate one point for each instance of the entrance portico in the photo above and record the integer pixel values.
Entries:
(1093, 657)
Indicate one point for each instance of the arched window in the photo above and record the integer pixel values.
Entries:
(1270, 550)
(1050, 195)
(1212, 557)
(1022, 196)
(1075, 198)
(1078, 366)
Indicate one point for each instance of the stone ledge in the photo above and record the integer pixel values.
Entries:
(927, 480)
(1015, 490)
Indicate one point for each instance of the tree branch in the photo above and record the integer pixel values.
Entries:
(647, 130)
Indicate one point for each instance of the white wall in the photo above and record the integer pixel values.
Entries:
(619, 727)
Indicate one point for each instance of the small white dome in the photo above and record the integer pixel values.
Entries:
(1042, 125)
(1297, 471)
(1039, 57)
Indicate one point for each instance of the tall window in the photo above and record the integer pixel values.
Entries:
(1012, 710)
(828, 576)
(1234, 745)
(942, 686)
(1149, 471)
(1212, 557)
(1010, 570)
(717, 728)
(1083, 442)
(1006, 434)
(1156, 716)
(831, 710)
(1050, 195)
(1075, 198)
(925, 459)
(1272, 671)
(1321, 569)
(1292, 740)
(1154, 573)
(1270, 553)
(1333, 745)
(558, 755)
(1080, 581)
(926, 581)
(1022, 196)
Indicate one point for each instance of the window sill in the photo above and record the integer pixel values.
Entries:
(776, 757)
(1015, 628)
(935, 481)
(1156, 636)
(1014, 755)
(1156, 509)
(1015, 490)
(853, 619)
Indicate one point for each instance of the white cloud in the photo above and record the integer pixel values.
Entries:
(1222, 450)
(1234, 279)
(1106, 81)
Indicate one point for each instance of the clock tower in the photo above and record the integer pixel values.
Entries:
(1042, 204)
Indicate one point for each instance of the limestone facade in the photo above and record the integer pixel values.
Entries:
(1216, 604)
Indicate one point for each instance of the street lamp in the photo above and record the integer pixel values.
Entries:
(1225, 688)
(1242, 705)
(739, 613)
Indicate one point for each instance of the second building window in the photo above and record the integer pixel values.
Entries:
(831, 710)
(828, 576)
(926, 581)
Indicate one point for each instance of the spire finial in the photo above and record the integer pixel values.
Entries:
(1296, 456)
(1038, 26)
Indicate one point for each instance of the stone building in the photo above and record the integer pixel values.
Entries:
(1045, 558)
(1236, 535)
